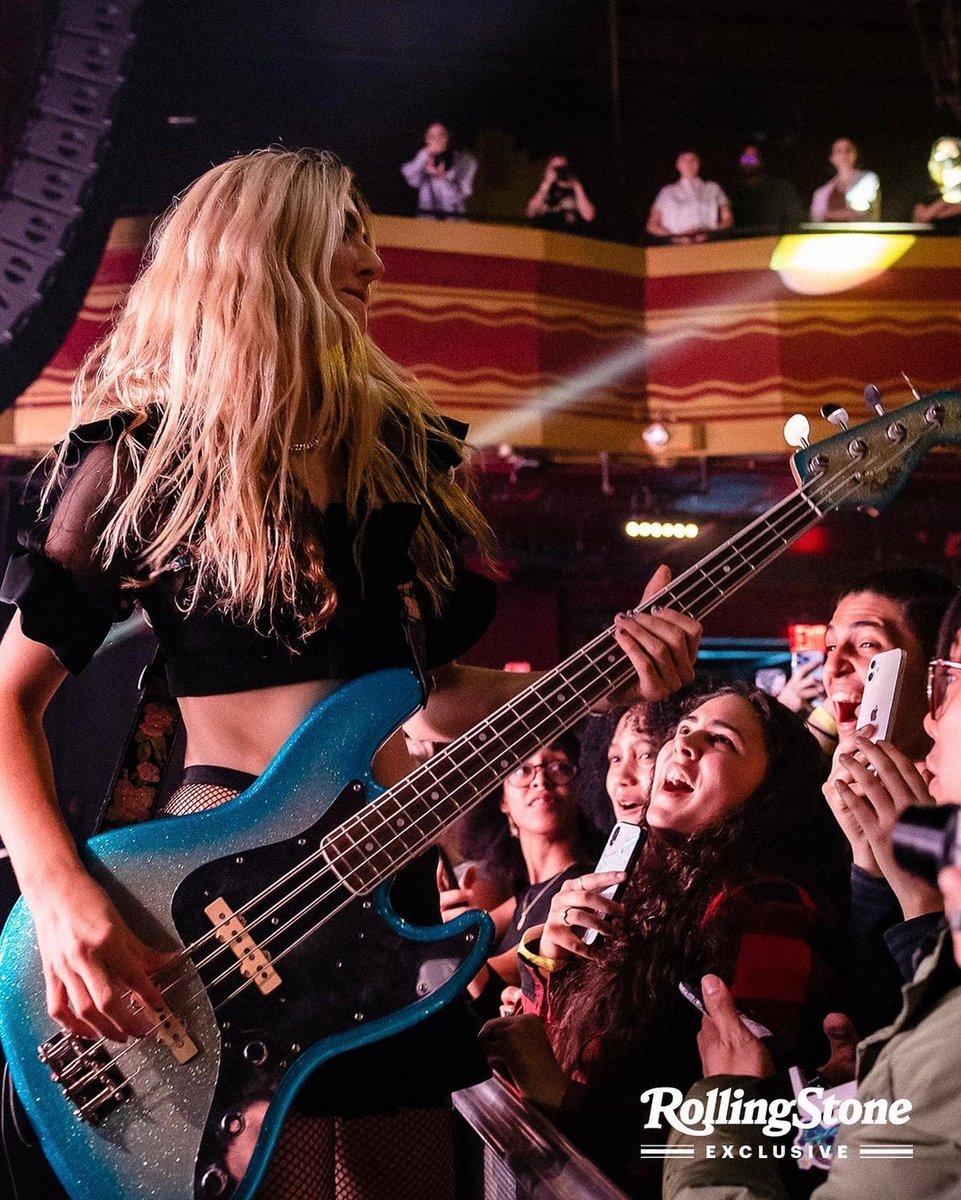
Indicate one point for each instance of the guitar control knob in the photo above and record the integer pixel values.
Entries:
(214, 1181)
(256, 1053)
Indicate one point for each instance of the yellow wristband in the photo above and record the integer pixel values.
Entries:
(547, 965)
(822, 720)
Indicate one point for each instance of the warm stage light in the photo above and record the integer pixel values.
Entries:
(656, 436)
(817, 264)
(660, 529)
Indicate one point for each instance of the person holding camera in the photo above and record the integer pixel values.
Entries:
(560, 203)
(917, 1058)
(443, 176)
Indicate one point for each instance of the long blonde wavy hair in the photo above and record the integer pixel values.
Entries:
(231, 334)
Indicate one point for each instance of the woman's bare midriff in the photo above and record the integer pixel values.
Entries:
(244, 730)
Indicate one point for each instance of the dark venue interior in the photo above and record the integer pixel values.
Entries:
(615, 380)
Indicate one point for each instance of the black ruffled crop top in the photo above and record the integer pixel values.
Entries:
(68, 599)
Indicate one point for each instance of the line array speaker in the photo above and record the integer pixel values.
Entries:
(55, 210)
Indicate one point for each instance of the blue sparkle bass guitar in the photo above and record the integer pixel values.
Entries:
(289, 951)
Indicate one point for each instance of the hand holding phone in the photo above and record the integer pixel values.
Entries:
(692, 994)
(882, 690)
(620, 854)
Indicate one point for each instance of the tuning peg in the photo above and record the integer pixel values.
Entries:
(872, 398)
(837, 415)
(797, 430)
(914, 391)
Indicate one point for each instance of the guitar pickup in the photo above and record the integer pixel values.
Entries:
(172, 1033)
(232, 931)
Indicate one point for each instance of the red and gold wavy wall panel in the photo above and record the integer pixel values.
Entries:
(546, 340)
(735, 347)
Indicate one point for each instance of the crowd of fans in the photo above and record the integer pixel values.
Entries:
(693, 209)
(767, 871)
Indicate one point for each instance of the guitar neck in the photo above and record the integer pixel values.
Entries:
(386, 834)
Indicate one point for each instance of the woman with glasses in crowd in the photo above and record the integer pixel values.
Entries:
(543, 842)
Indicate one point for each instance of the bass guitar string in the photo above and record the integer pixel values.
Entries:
(833, 486)
(413, 851)
(678, 594)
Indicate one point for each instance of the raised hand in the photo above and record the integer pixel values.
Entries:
(846, 814)
(875, 783)
(802, 689)
(843, 1040)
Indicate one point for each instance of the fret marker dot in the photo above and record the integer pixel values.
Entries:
(727, 568)
(505, 762)
(561, 697)
(368, 846)
(482, 737)
(400, 823)
(611, 658)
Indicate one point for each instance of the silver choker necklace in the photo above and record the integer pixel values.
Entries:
(311, 445)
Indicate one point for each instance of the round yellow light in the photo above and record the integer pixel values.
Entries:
(632, 529)
(691, 530)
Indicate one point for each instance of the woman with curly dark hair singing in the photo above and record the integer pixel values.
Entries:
(738, 875)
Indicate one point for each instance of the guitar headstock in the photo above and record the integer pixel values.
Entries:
(866, 466)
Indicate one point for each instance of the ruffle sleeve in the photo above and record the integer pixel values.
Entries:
(67, 595)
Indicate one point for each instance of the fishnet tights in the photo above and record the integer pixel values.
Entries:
(196, 797)
(406, 1156)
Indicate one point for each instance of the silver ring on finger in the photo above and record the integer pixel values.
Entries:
(564, 915)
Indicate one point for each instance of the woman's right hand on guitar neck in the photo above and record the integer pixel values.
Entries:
(97, 971)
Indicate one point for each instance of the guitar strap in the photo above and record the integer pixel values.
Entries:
(415, 633)
(145, 756)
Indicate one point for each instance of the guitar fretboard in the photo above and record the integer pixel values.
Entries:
(387, 833)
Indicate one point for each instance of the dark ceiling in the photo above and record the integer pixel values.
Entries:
(517, 78)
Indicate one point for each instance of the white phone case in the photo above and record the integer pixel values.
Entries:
(617, 855)
(882, 689)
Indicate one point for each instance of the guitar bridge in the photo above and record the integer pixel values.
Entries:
(82, 1068)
